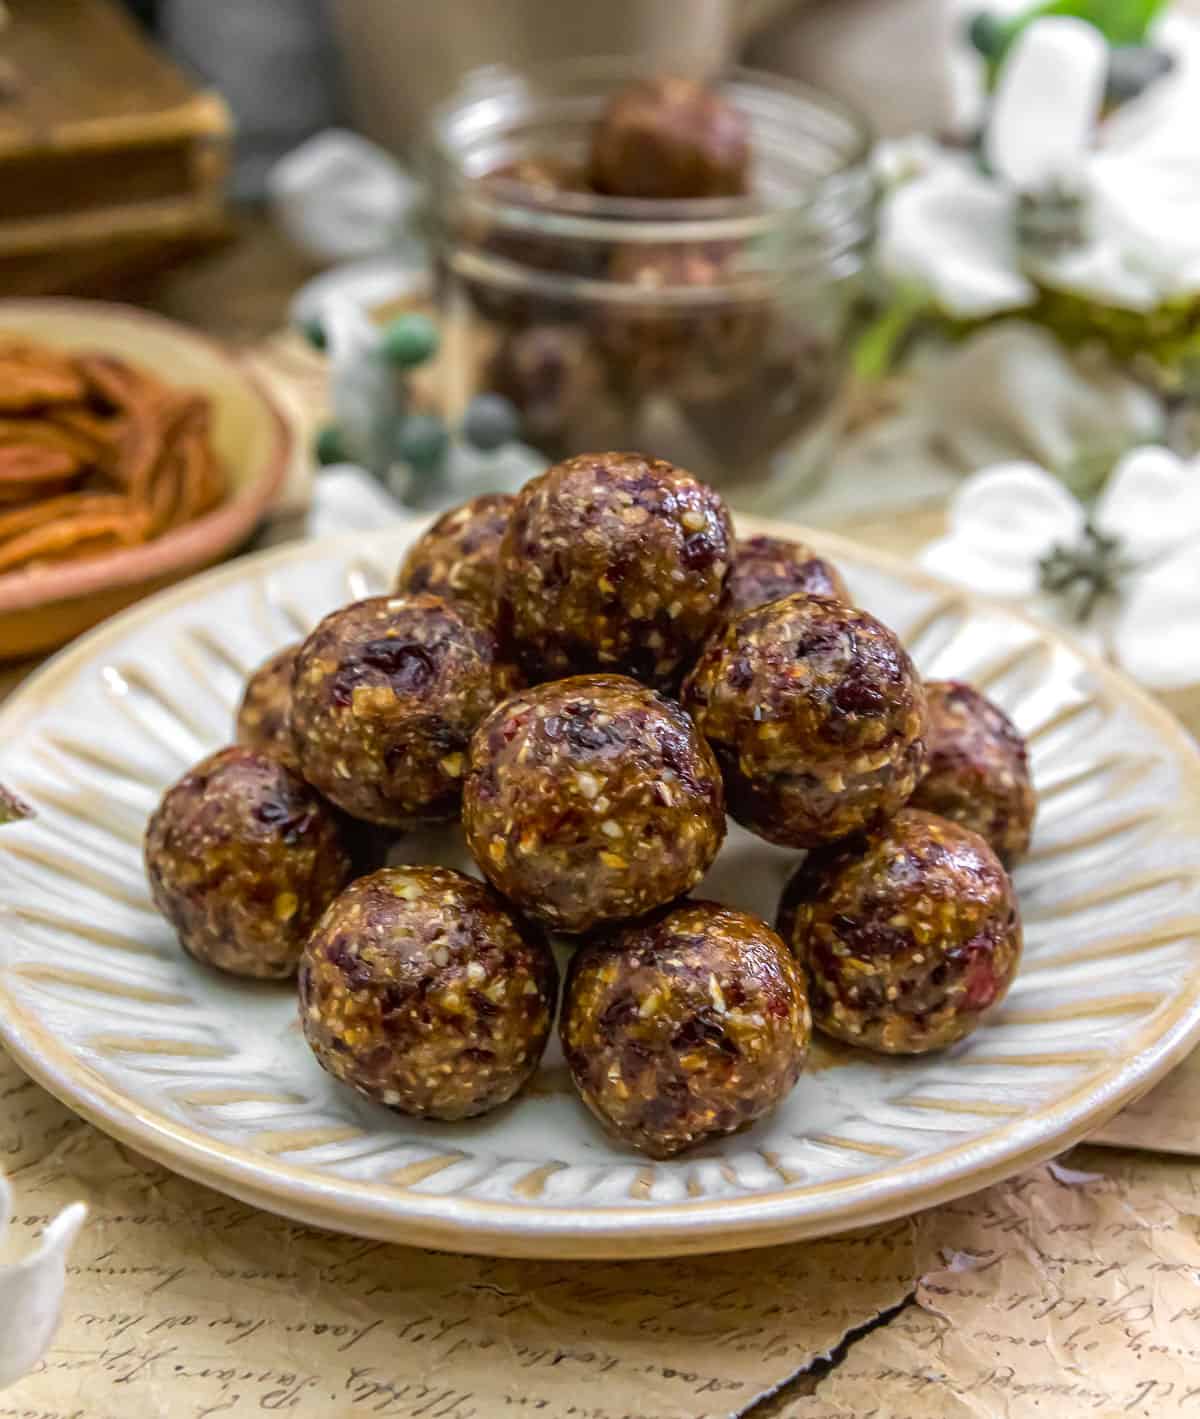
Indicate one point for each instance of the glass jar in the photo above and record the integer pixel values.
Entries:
(712, 332)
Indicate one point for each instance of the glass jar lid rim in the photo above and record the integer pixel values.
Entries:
(594, 215)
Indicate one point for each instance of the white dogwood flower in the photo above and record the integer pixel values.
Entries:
(1013, 522)
(953, 229)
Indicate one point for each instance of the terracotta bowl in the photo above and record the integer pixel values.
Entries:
(45, 606)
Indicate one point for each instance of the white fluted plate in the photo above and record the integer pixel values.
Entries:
(212, 1077)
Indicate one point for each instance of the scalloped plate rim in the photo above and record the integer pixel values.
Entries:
(394, 1213)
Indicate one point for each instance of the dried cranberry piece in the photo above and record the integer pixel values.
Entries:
(857, 697)
(409, 667)
(699, 552)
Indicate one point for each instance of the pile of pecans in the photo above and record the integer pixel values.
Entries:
(96, 454)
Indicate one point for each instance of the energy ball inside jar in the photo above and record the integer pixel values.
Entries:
(591, 799)
(387, 694)
(614, 562)
(978, 770)
(553, 374)
(908, 935)
(670, 138)
(458, 557)
(817, 718)
(422, 990)
(264, 717)
(685, 1026)
(683, 324)
(770, 568)
(242, 858)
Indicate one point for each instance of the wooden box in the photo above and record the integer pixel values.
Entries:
(109, 156)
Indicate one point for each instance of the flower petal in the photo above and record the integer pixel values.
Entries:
(1014, 513)
(1012, 391)
(31, 1292)
(1157, 633)
(958, 561)
(1151, 502)
(1047, 102)
(951, 231)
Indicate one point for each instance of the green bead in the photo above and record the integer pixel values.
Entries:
(422, 442)
(410, 340)
(490, 421)
(329, 447)
(314, 332)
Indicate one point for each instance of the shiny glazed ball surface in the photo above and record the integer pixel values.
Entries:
(909, 935)
(591, 799)
(684, 1026)
(242, 858)
(387, 694)
(458, 557)
(817, 718)
(978, 770)
(670, 138)
(264, 717)
(614, 562)
(422, 990)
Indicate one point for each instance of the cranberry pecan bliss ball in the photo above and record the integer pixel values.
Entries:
(670, 138)
(614, 561)
(590, 800)
(242, 858)
(817, 718)
(684, 1026)
(420, 989)
(978, 770)
(386, 696)
(769, 568)
(908, 934)
(264, 717)
(458, 557)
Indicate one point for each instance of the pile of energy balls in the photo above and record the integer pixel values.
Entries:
(592, 674)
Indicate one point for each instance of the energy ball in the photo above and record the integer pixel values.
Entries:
(540, 184)
(264, 717)
(670, 138)
(591, 800)
(684, 1026)
(420, 989)
(554, 375)
(817, 718)
(684, 324)
(770, 568)
(242, 858)
(614, 561)
(978, 770)
(387, 694)
(458, 557)
(908, 934)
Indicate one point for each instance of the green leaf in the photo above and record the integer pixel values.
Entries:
(1121, 22)
(875, 350)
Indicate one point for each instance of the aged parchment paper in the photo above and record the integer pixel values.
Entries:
(1060, 1293)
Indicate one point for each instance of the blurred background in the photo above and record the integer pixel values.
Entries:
(286, 69)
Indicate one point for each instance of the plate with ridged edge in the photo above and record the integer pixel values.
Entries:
(211, 1076)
